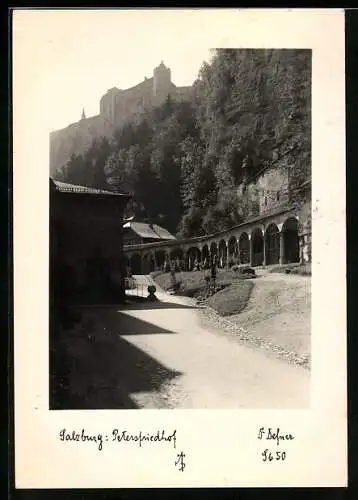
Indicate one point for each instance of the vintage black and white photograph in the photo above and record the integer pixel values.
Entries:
(179, 244)
(180, 233)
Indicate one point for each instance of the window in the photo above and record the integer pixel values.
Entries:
(265, 201)
(277, 196)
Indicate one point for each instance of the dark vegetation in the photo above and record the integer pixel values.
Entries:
(183, 161)
(129, 283)
(233, 299)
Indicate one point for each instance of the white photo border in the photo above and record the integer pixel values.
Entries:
(221, 446)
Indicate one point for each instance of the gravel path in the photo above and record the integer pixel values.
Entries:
(173, 354)
(211, 370)
(276, 319)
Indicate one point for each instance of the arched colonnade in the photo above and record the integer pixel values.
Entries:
(259, 245)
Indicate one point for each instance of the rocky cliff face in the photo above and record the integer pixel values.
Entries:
(74, 139)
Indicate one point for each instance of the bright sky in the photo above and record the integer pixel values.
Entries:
(65, 60)
(77, 55)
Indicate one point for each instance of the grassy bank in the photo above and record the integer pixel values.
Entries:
(232, 297)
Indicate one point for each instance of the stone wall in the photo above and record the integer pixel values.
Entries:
(304, 214)
(183, 93)
(266, 192)
(272, 186)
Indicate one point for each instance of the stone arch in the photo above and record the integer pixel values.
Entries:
(176, 252)
(272, 244)
(222, 253)
(136, 263)
(152, 262)
(244, 249)
(213, 249)
(205, 256)
(193, 256)
(291, 246)
(159, 256)
(177, 258)
(148, 264)
(233, 250)
(127, 266)
(257, 247)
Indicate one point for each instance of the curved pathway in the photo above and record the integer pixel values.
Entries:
(213, 372)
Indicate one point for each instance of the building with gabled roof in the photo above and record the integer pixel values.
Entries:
(65, 187)
(86, 244)
(136, 233)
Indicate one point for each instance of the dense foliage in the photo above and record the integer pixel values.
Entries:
(183, 161)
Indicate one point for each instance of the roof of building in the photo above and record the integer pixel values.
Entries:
(65, 187)
(145, 230)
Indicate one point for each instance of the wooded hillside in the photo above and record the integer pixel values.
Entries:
(183, 161)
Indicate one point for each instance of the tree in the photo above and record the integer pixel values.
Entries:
(100, 155)
(115, 172)
(183, 161)
(75, 170)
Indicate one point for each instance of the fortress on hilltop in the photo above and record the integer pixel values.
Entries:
(117, 107)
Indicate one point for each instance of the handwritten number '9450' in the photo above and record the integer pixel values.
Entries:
(268, 456)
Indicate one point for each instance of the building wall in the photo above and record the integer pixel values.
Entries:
(79, 226)
(304, 214)
(131, 238)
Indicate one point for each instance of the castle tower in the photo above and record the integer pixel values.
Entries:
(161, 82)
(83, 117)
